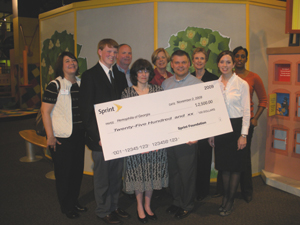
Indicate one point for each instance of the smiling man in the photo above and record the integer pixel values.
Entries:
(101, 84)
(124, 58)
(182, 159)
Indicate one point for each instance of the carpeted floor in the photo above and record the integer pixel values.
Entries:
(28, 198)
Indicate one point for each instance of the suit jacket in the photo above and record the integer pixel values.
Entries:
(207, 76)
(96, 88)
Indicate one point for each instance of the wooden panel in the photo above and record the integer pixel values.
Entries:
(283, 50)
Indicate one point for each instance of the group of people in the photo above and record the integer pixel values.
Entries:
(70, 124)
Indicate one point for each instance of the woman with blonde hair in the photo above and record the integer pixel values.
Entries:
(204, 153)
(160, 59)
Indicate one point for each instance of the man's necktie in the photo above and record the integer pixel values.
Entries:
(112, 80)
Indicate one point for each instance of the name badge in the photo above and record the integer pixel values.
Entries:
(64, 92)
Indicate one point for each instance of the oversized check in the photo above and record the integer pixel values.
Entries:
(162, 119)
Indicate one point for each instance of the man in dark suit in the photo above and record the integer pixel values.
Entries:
(101, 84)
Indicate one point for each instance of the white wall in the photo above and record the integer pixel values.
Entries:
(228, 19)
(58, 23)
(131, 24)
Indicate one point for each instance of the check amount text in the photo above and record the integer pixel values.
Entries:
(198, 104)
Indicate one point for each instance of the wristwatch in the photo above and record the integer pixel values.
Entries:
(244, 135)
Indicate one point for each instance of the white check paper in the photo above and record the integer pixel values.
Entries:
(162, 119)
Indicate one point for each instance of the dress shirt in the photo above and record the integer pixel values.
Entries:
(106, 70)
(171, 82)
(237, 99)
(127, 75)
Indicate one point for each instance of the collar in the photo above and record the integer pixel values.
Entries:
(230, 81)
(180, 81)
(105, 67)
(122, 70)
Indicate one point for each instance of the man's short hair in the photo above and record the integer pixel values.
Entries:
(181, 53)
(123, 45)
(109, 42)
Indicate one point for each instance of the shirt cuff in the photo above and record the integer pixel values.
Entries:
(245, 130)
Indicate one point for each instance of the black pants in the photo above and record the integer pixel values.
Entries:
(246, 176)
(68, 162)
(204, 158)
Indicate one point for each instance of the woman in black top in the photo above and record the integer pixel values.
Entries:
(204, 153)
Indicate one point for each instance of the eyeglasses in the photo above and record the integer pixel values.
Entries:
(143, 71)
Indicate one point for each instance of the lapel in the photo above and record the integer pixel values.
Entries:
(101, 75)
(103, 80)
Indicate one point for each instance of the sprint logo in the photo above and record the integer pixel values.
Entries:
(115, 108)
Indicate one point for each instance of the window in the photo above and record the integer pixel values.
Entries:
(296, 150)
(282, 104)
(298, 106)
(298, 73)
(283, 72)
(279, 138)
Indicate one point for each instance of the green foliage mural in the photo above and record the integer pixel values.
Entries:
(52, 48)
(194, 37)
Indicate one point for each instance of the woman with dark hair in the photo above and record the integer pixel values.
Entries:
(160, 59)
(204, 153)
(255, 85)
(230, 154)
(147, 171)
(65, 133)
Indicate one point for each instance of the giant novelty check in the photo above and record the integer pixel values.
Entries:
(162, 119)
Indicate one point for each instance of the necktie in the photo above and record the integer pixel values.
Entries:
(112, 80)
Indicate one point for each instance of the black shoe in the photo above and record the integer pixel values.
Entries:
(181, 213)
(226, 212)
(247, 198)
(216, 195)
(131, 196)
(172, 209)
(80, 208)
(153, 217)
(72, 214)
(121, 213)
(142, 220)
(221, 208)
(157, 194)
(110, 219)
(200, 198)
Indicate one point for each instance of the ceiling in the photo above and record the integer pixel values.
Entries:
(32, 9)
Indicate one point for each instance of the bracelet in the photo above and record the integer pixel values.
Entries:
(244, 135)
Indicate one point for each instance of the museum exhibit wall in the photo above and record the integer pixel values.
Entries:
(262, 35)
(149, 24)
